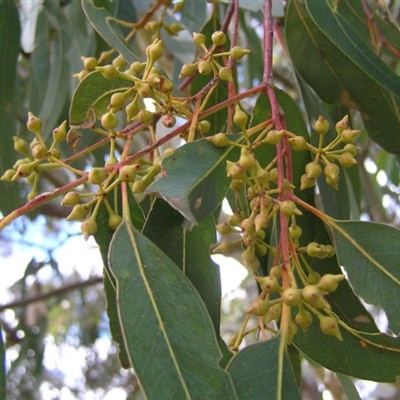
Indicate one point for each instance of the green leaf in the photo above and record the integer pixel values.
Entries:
(103, 238)
(92, 97)
(55, 79)
(345, 69)
(9, 49)
(109, 29)
(189, 251)
(195, 189)
(374, 357)
(164, 319)
(258, 373)
(2, 366)
(370, 255)
(349, 387)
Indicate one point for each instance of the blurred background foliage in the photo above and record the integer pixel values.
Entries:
(59, 346)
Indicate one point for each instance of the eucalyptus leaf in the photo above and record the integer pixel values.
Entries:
(92, 97)
(369, 253)
(163, 318)
(261, 372)
(9, 49)
(195, 189)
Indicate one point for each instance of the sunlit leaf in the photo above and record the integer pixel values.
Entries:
(370, 254)
(260, 372)
(164, 319)
(195, 189)
(92, 97)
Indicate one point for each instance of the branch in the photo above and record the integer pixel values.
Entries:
(53, 293)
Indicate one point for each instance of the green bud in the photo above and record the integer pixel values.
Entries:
(258, 307)
(342, 124)
(132, 109)
(329, 282)
(238, 52)
(21, 145)
(295, 231)
(240, 118)
(88, 228)
(350, 148)
(188, 70)
(119, 63)
(268, 284)
(311, 294)
(218, 38)
(349, 135)
(303, 319)
(114, 220)
(34, 124)
(247, 159)
(39, 152)
(225, 74)
(223, 228)
(291, 331)
(288, 208)
(117, 102)
(71, 199)
(313, 249)
(274, 312)
(145, 90)
(313, 278)
(306, 182)
(23, 171)
(321, 125)
(224, 247)
(235, 170)
(166, 85)
(274, 137)
(331, 170)
(89, 63)
(155, 50)
(204, 67)
(97, 176)
(137, 67)
(291, 296)
(205, 126)
(8, 175)
(109, 120)
(261, 221)
(144, 116)
(218, 140)
(55, 153)
(313, 170)
(60, 133)
(127, 173)
(199, 39)
(333, 182)
(347, 160)
(108, 71)
(298, 143)
(78, 213)
(329, 326)
(276, 271)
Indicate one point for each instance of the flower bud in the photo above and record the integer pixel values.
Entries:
(274, 312)
(137, 67)
(347, 160)
(249, 260)
(268, 284)
(329, 326)
(55, 153)
(168, 121)
(155, 50)
(329, 283)
(311, 294)
(97, 176)
(342, 124)
(313, 278)
(88, 228)
(224, 229)
(276, 271)
(292, 330)
(350, 148)
(204, 67)
(39, 152)
(108, 71)
(288, 208)
(303, 319)
(322, 304)
(240, 118)
(132, 109)
(117, 102)
(313, 249)
(114, 221)
(218, 38)
(188, 70)
(261, 249)
(166, 85)
(306, 182)
(331, 170)
(60, 133)
(8, 175)
(298, 143)
(119, 63)
(205, 126)
(23, 171)
(34, 124)
(273, 175)
(261, 221)
(247, 226)
(199, 39)
(321, 125)
(225, 74)
(349, 135)
(127, 173)
(89, 63)
(258, 307)
(218, 140)
(238, 52)
(313, 170)
(291, 296)
(21, 145)
(247, 159)
(274, 137)
(78, 213)
(235, 170)
(295, 231)
(71, 199)
(109, 120)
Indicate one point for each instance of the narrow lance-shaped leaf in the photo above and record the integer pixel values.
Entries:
(189, 250)
(370, 254)
(258, 372)
(195, 189)
(108, 28)
(167, 330)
